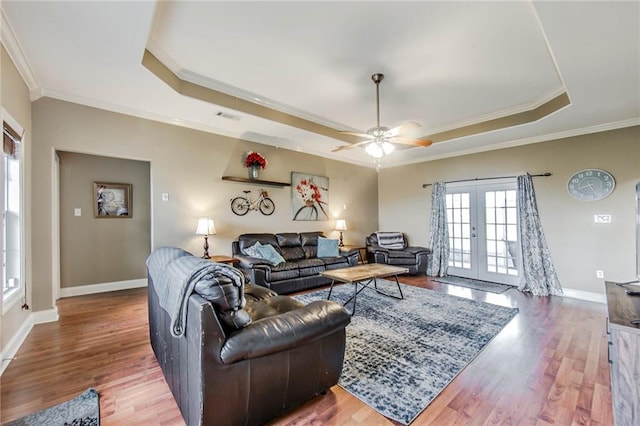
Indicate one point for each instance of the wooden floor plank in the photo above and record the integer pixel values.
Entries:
(548, 366)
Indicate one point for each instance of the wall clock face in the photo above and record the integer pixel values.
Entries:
(591, 184)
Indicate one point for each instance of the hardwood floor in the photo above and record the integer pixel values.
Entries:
(548, 366)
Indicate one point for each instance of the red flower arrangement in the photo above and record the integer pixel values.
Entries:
(255, 159)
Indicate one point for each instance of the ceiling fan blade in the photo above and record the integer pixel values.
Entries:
(360, 135)
(409, 141)
(353, 145)
(404, 127)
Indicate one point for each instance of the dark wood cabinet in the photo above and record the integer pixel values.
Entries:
(624, 354)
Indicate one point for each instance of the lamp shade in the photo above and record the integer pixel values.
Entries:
(341, 225)
(205, 226)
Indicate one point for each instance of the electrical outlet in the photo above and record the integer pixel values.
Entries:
(599, 274)
(602, 218)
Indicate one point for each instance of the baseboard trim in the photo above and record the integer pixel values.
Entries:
(102, 287)
(14, 344)
(40, 317)
(588, 296)
(50, 315)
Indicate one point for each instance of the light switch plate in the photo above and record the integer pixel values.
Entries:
(77, 212)
(165, 196)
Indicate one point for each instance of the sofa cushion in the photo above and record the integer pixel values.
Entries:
(283, 271)
(327, 247)
(396, 254)
(268, 252)
(268, 307)
(335, 262)
(309, 267)
(310, 238)
(288, 239)
(391, 240)
(292, 253)
(310, 243)
(247, 240)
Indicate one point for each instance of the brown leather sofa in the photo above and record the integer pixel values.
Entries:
(414, 258)
(246, 354)
(301, 268)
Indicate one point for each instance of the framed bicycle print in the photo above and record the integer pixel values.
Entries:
(112, 200)
(309, 197)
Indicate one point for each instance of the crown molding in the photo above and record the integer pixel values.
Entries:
(518, 142)
(135, 112)
(11, 43)
(529, 106)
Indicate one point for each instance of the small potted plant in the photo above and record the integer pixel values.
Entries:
(254, 162)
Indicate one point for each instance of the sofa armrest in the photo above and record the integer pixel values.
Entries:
(247, 262)
(378, 254)
(285, 331)
(417, 250)
(352, 255)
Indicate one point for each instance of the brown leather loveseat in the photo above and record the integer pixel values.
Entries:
(236, 354)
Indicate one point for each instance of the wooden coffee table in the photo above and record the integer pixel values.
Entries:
(364, 275)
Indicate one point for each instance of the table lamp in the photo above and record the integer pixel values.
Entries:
(206, 227)
(341, 225)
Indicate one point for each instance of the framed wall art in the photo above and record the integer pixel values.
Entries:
(309, 197)
(112, 200)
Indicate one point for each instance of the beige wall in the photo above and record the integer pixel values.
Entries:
(102, 250)
(577, 244)
(15, 100)
(188, 165)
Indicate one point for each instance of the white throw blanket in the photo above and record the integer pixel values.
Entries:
(390, 240)
(175, 273)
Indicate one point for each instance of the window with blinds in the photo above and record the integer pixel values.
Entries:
(12, 212)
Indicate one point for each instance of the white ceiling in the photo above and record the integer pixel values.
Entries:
(446, 65)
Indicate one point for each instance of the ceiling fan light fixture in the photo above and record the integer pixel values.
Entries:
(379, 149)
(375, 150)
(388, 147)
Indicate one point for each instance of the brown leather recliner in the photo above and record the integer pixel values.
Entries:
(415, 258)
(219, 374)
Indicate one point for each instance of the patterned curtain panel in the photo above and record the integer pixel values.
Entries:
(538, 273)
(439, 238)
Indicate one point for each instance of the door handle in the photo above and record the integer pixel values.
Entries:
(473, 235)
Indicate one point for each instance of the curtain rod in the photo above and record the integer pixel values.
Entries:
(424, 185)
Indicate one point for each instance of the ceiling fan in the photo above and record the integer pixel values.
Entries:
(379, 140)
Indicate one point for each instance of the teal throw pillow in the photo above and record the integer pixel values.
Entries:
(327, 247)
(267, 252)
(253, 250)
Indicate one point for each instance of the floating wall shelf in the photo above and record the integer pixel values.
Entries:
(255, 181)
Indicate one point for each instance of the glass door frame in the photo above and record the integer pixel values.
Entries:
(477, 232)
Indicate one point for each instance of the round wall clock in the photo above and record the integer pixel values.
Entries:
(591, 184)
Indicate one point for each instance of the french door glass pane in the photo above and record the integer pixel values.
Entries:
(458, 216)
(501, 232)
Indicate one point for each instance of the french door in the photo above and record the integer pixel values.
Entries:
(483, 231)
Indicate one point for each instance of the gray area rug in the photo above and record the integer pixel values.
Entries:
(401, 354)
(83, 410)
(474, 284)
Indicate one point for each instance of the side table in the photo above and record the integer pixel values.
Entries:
(224, 259)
